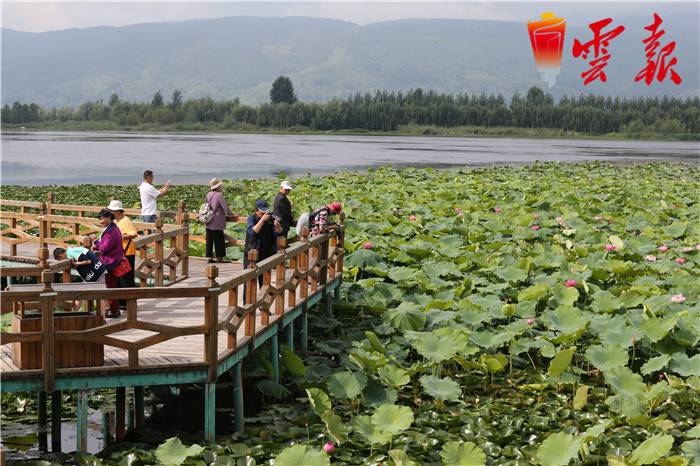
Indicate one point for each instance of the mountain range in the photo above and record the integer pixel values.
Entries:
(325, 59)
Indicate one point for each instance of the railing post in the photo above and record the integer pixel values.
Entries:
(43, 256)
(159, 252)
(49, 211)
(341, 243)
(47, 297)
(42, 225)
(304, 293)
(251, 294)
(323, 260)
(211, 320)
(185, 264)
(280, 277)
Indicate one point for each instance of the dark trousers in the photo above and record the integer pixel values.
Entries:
(127, 280)
(111, 282)
(245, 286)
(216, 240)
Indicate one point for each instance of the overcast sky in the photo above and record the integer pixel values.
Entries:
(33, 16)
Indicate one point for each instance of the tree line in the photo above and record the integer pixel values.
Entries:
(387, 111)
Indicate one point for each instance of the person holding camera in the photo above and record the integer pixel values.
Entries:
(261, 234)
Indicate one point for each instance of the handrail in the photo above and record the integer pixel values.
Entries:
(293, 274)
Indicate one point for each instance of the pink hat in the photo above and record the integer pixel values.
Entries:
(336, 207)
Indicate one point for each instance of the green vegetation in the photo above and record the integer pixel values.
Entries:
(414, 112)
(534, 315)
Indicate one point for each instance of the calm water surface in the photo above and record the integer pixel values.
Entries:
(69, 158)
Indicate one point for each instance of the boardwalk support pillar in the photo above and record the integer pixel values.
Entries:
(138, 407)
(274, 358)
(210, 411)
(56, 420)
(41, 419)
(289, 335)
(238, 415)
(120, 432)
(82, 429)
(305, 330)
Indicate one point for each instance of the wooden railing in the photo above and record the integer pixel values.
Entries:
(163, 248)
(300, 271)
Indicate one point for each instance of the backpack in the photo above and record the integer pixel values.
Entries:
(206, 213)
(303, 222)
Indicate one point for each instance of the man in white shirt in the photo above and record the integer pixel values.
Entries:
(149, 194)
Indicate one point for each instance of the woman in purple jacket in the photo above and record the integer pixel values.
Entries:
(110, 248)
(215, 228)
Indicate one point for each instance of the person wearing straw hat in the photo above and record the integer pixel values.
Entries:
(321, 219)
(215, 228)
(129, 234)
(282, 208)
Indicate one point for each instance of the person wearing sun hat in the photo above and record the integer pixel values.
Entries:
(215, 229)
(129, 234)
(261, 234)
(282, 208)
(321, 219)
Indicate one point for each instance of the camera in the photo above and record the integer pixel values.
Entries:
(273, 218)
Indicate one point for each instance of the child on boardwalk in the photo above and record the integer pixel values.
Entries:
(88, 265)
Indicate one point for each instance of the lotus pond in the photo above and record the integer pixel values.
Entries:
(534, 315)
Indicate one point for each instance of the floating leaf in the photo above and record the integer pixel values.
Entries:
(652, 449)
(462, 454)
(437, 348)
(558, 449)
(392, 418)
(298, 455)
(344, 385)
(444, 389)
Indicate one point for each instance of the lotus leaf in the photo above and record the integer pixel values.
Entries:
(406, 316)
(335, 427)
(625, 382)
(685, 366)
(652, 449)
(607, 357)
(443, 389)
(362, 258)
(375, 396)
(395, 376)
(345, 385)
(298, 455)
(319, 400)
(533, 292)
(558, 449)
(292, 362)
(462, 454)
(438, 348)
(392, 419)
(561, 362)
(400, 458)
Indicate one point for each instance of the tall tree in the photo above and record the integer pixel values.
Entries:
(157, 101)
(282, 91)
(177, 100)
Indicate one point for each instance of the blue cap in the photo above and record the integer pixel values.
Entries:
(262, 206)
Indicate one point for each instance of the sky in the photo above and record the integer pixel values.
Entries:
(35, 16)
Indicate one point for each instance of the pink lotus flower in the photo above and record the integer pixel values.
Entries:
(598, 217)
(461, 214)
(597, 229)
(496, 210)
(567, 228)
(697, 247)
(663, 248)
(537, 215)
(530, 321)
(674, 206)
(367, 245)
(633, 340)
(610, 247)
(560, 220)
(609, 222)
(651, 258)
(687, 249)
(328, 447)
(456, 209)
(291, 203)
(394, 209)
(680, 260)
(354, 207)
(534, 227)
(412, 217)
(678, 298)
(570, 283)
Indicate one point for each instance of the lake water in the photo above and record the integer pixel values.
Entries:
(69, 158)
